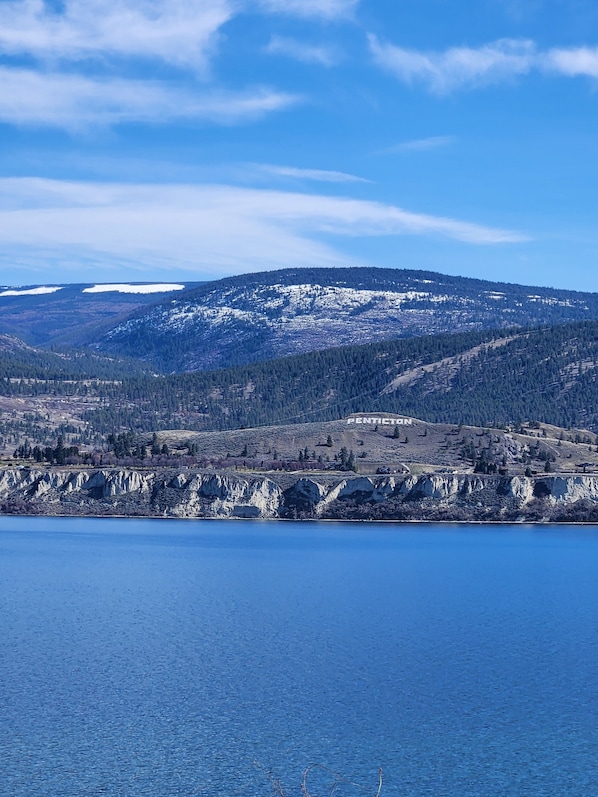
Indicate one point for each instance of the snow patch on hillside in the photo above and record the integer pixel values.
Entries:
(215, 315)
(293, 307)
(552, 300)
(313, 297)
(302, 310)
(39, 291)
(126, 288)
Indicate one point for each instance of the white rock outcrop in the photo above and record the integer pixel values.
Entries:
(222, 495)
(520, 488)
(569, 489)
(438, 487)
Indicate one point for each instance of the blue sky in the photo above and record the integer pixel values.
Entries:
(146, 140)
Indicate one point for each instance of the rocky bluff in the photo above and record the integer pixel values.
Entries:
(195, 494)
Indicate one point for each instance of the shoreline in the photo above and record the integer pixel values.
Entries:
(320, 521)
(171, 493)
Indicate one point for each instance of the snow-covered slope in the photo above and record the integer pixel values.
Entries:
(260, 316)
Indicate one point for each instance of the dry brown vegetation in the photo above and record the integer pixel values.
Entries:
(422, 447)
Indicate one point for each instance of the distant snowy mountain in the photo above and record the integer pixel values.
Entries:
(271, 314)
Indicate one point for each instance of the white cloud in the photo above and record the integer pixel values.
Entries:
(418, 145)
(197, 228)
(321, 175)
(82, 56)
(573, 62)
(73, 101)
(180, 32)
(325, 55)
(466, 67)
(324, 9)
(458, 67)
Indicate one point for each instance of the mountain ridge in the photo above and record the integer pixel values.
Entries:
(480, 378)
(267, 315)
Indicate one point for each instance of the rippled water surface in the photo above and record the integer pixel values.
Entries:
(163, 658)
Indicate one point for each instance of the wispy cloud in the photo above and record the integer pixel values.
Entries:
(75, 102)
(179, 32)
(325, 55)
(79, 64)
(573, 62)
(318, 175)
(323, 9)
(156, 227)
(466, 67)
(458, 67)
(418, 145)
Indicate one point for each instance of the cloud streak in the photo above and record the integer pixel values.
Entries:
(324, 55)
(493, 63)
(418, 145)
(458, 67)
(200, 229)
(318, 175)
(75, 102)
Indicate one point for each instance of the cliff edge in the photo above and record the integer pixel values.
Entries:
(203, 494)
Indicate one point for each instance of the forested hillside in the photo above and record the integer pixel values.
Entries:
(477, 378)
(19, 361)
(258, 317)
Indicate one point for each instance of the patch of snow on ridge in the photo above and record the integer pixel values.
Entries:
(214, 315)
(552, 300)
(126, 288)
(39, 291)
(292, 308)
(314, 297)
(276, 304)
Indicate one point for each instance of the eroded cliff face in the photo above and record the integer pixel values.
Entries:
(190, 494)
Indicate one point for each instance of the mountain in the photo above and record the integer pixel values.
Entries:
(262, 316)
(43, 315)
(480, 378)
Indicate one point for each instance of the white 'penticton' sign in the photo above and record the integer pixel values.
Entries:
(378, 420)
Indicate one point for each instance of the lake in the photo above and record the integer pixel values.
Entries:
(191, 658)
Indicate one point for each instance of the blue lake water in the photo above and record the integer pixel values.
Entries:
(164, 658)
